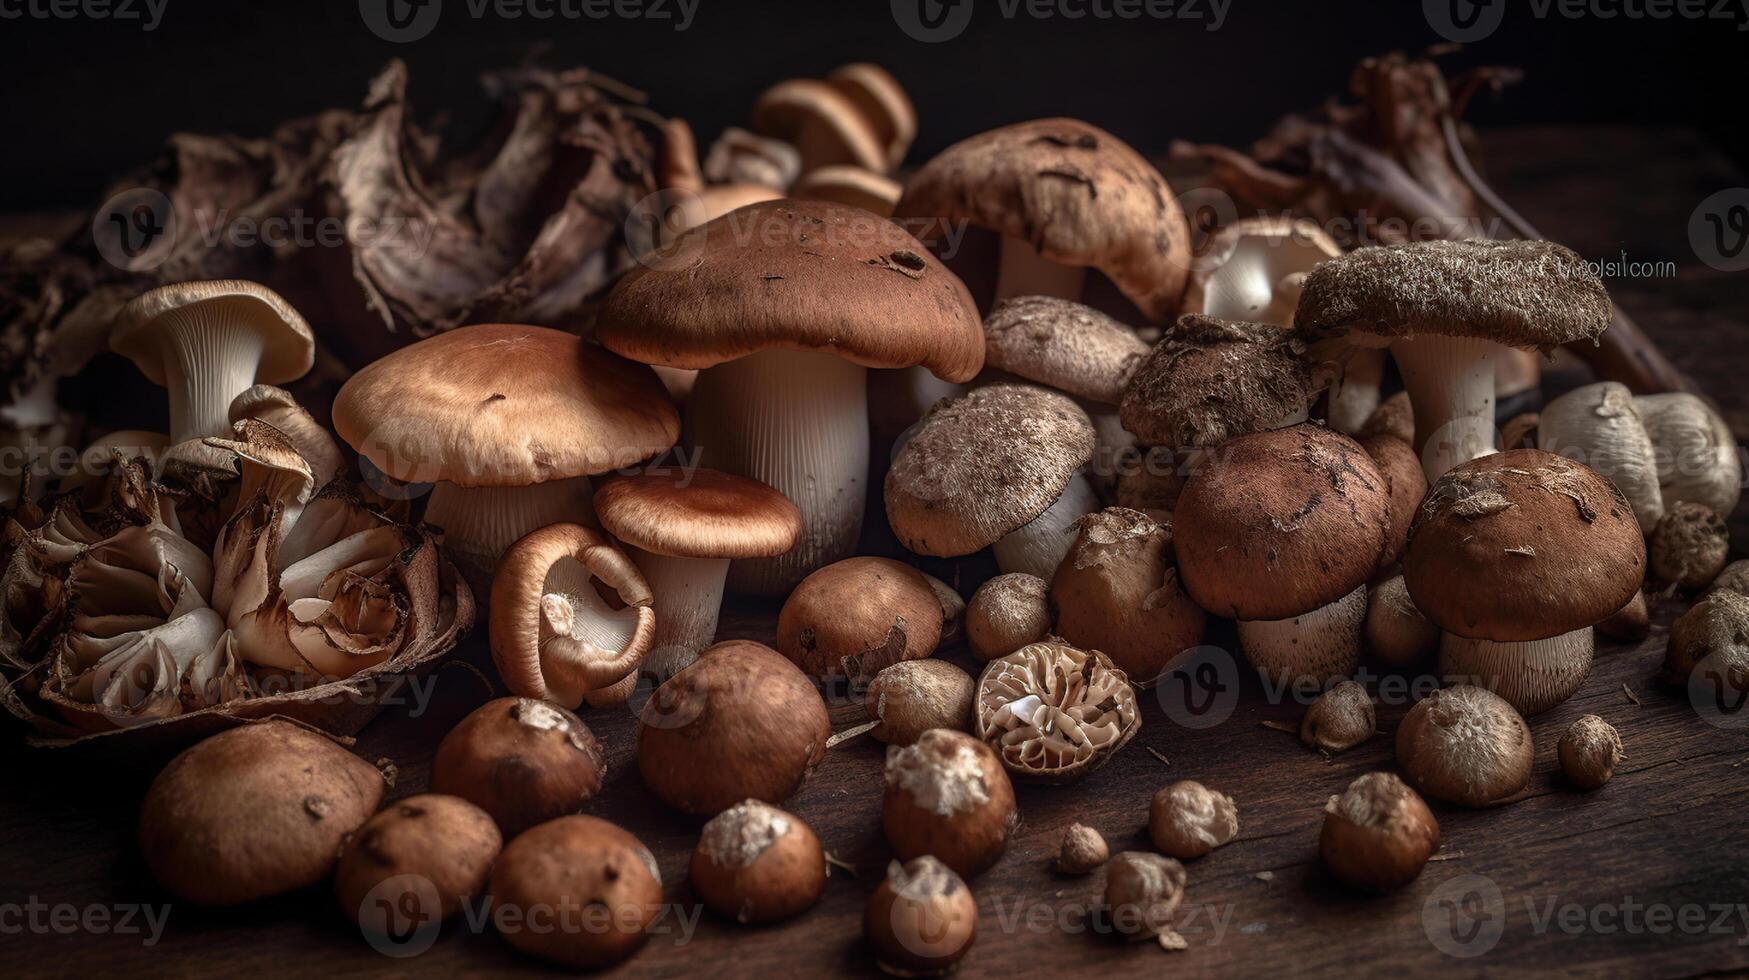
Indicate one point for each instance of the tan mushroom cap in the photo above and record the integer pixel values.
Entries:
(503, 405)
(288, 350)
(1211, 380)
(883, 103)
(1290, 520)
(984, 464)
(857, 617)
(1523, 545)
(822, 121)
(1077, 194)
(703, 514)
(1061, 343)
(797, 275)
(851, 186)
(1517, 293)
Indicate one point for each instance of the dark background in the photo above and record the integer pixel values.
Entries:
(87, 100)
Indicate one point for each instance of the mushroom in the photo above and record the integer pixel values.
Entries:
(277, 408)
(1340, 719)
(1516, 556)
(1378, 833)
(255, 811)
(510, 422)
(554, 633)
(1710, 644)
(1083, 850)
(1696, 451)
(1187, 819)
(1689, 547)
(857, 617)
(883, 104)
(577, 891)
(1142, 893)
(677, 158)
(851, 186)
(429, 853)
(1054, 713)
(1212, 380)
(822, 122)
(1445, 309)
(922, 919)
(682, 529)
(1063, 196)
(1282, 536)
(785, 338)
(1117, 591)
(913, 696)
(1395, 416)
(947, 796)
(756, 864)
(521, 760)
(1006, 613)
(1402, 471)
(1057, 342)
(953, 609)
(1735, 578)
(1589, 750)
(741, 157)
(1396, 632)
(1599, 426)
(998, 466)
(1465, 745)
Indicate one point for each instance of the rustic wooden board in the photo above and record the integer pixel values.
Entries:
(1669, 831)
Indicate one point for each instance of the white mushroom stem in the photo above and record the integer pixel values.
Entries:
(1355, 394)
(689, 595)
(1316, 646)
(1450, 381)
(1038, 546)
(479, 523)
(209, 359)
(797, 421)
(1024, 272)
(1532, 676)
(586, 643)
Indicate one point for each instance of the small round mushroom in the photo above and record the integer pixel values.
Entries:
(1142, 893)
(1057, 342)
(1631, 622)
(1465, 745)
(1378, 833)
(1084, 850)
(1599, 426)
(1712, 637)
(913, 696)
(425, 850)
(1401, 468)
(1006, 613)
(1213, 380)
(857, 617)
(1054, 713)
(577, 891)
(947, 795)
(922, 919)
(1396, 632)
(740, 723)
(1117, 591)
(755, 864)
(1340, 719)
(522, 760)
(849, 185)
(1689, 547)
(1697, 453)
(1589, 750)
(255, 811)
(1188, 820)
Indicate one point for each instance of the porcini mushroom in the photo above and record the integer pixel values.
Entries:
(1445, 308)
(1599, 426)
(1117, 591)
(1696, 451)
(857, 617)
(1516, 556)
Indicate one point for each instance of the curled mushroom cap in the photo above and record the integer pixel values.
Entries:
(1251, 269)
(1465, 745)
(1211, 380)
(1063, 344)
(553, 635)
(1117, 591)
(1599, 426)
(741, 157)
(1054, 713)
(821, 122)
(857, 617)
(883, 104)
(849, 185)
(604, 876)
(1696, 451)
(1006, 613)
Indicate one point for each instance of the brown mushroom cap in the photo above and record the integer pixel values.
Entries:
(594, 887)
(502, 405)
(755, 863)
(850, 186)
(1523, 545)
(1061, 343)
(1401, 467)
(425, 847)
(883, 104)
(797, 275)
(1210, 380)
(1465, 745)
(1281, 523)
(1117, 591)
(984, 464)
(1077, 194)
(521, 760)
(704, 514)
(857, 617)
(1516, 293)
(822, 121)
(288, 348)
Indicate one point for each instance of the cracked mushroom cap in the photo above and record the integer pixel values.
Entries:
(984, 464)
(1523, 545)
(1054, 713)
(1061, 343)
(504, 405)
(821, 120)
(1246, 269)
(1518, 293)
(1077, 194)
(1210, 380)
(803, 276)
(1281, 523)
(1117, 591)
(859, 616)
(706, 514)
(883, 104)
(147, 323)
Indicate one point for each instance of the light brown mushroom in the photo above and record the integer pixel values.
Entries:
(1117, 591)
(857, 617)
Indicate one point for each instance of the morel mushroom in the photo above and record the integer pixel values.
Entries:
(1117, 591)
(1055, 713)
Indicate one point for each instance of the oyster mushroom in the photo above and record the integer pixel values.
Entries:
(1117, 591)
(1697, 453)
(1054, 713)
(1599, 426)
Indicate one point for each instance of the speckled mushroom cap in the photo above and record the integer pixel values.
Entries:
(1061, 343)
(1517, 293)
(700, 514)
(984, 464)
(1210, 380)
(1523, 545)
(797, 275)
(1281, 523)
(845, 135)
(288, 348)
(504, 405)
(1079, 195)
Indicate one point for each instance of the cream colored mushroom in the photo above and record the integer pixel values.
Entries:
(1599, 426)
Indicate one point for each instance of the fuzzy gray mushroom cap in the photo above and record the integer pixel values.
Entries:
(1211, 380)
(1518, 293)
(1061, 343)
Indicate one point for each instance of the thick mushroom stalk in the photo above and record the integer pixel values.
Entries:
(1450, 381)
(1532, 676)
(688, 597)
(1038, 546)
(1319, 645)
(1022, 271)
(480, 523)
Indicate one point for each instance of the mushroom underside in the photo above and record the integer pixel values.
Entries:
(1532, 676)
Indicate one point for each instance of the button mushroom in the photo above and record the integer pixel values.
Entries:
(855, 618)
(521, 760)
(1054, 713)
(427, 854)
(1378, 833)
(1401, 468)
(913, 696)
(1187, 819)
(1396, 632)
(755, 864)
(577, 891)
(948, 796)
(1006, 613)
(922, 919)
(1117, 591)
(1465, 745)
(1709, 645)
(1599, 426)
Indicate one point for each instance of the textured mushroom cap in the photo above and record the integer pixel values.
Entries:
(1523, 545)
(286, 355)
(1077, 194)
(577, 866)
(1466, 745)
(1242, 264)
(984, 464)
(503, 405)
(857, 617)
(797, 275)
(1061, 343)
(704, 514)
(883, 104)
(1516, 293)
(1210, 380)
(841, 133)
(1118, 592)
(1006, 613)
(1280, 523)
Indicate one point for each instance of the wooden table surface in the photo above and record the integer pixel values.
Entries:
(1647, 876)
